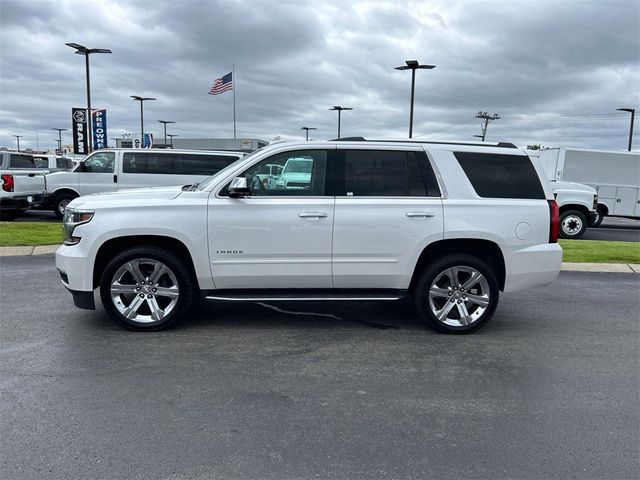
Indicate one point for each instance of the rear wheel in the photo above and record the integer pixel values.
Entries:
(573, 224)
(146, 288)
(456, 294)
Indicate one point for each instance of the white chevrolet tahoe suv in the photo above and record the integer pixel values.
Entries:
(451, 225)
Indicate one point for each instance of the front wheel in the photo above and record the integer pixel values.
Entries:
(60, 203)
(573, 224)
(456, 294)
(146, 288)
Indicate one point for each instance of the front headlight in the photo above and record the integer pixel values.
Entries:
(73, 218)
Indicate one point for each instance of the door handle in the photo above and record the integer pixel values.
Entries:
(312, 215)
(115, 179)
(420, 214)
(32, 175)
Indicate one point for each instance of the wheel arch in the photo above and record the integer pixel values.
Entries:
(113, 246)
(63, 190)
(485, 250)
(603, 207)
(575, 206)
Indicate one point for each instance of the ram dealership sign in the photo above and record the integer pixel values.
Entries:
(80, 131)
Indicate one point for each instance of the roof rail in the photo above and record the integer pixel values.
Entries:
(471, 144)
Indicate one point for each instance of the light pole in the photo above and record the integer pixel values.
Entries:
(171, 138)
(18, 137)
(141, 100)
(307, 131)
(164, 122)
(60, 130)
(632, 111)
(82, 50)
(413, 65)
(339, 109)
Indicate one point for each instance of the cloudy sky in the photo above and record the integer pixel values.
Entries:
(555, 71)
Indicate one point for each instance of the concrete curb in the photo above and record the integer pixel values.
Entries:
(568, 267)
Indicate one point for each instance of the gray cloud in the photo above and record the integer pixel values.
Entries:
(539, 64)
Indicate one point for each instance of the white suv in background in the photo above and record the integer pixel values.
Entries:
(451, 225)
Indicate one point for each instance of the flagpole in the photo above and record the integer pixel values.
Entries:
(233, 78)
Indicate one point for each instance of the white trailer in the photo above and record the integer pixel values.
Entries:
(615, 175)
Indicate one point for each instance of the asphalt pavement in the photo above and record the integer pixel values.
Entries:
(548, 389)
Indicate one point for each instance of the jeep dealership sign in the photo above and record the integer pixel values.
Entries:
(80, 131)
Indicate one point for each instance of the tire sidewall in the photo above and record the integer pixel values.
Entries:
(183, 277)
(573, 213)
(59, 199)
(429, 274)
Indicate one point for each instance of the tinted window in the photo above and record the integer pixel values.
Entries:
(386, 173)
(64, 163)
(21, 161)
(41, 162)
(501, 176)
(100, 162)
(297, 173)
(175, 163)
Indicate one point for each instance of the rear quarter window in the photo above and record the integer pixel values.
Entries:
(501, 176)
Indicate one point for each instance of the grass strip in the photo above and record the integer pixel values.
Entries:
(598, 251)
(15, 234)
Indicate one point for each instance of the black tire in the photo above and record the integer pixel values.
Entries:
(60, 201)
(573, 224)
(433, 271)
(178, 269)
(599, 217)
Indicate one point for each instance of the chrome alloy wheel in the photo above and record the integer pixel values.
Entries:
(144, 290)
(459, 296)
(571, 225)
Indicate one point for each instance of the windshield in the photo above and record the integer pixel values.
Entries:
(209, 180)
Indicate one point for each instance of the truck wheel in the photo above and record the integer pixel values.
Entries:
(573, 224)
(457, 294)
(146, 288)
(599, 217)
(60, 202)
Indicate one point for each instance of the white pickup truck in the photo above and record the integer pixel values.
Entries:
(23, 185)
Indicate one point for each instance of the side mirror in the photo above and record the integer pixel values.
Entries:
(239, 188)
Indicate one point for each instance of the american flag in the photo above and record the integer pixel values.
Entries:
(222, 84)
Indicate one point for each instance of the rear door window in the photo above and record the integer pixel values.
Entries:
(501, 176)
(388, 173)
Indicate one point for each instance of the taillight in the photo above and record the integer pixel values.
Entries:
(7, 182)
(554, 225)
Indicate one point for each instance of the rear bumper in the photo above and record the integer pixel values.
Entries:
(534, 266)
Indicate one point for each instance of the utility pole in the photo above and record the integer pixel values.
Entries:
(632, 111)
(339, 109)
(413, 65)
(486, 118)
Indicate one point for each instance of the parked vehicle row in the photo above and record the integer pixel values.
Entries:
(450, 225)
